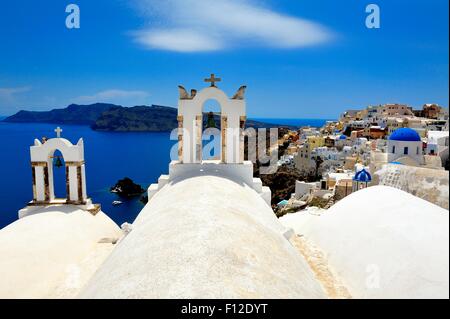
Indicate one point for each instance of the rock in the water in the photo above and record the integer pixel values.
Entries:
(127, 188)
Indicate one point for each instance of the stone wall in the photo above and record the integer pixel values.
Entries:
(428, 184)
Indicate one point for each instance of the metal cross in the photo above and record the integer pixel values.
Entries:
(213, 80)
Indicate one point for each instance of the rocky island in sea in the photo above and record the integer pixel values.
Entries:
(127, 188)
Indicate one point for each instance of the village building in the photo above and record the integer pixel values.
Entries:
(375, 132)
(303, 189)
(304, 159)
(362, 179)
(330, 141)
(405, 145)
(430, 111)
(343, 188)
(436, 125)
(396, 110)
(355, 125)
(342, 141)
(330, 180)
(349, 115)
(437, 144)
(373, 115)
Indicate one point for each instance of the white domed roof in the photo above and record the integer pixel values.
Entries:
(53, 253)
(205, 237)
(383, 243)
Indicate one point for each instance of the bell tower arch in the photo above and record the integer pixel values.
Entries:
(42, 162)
(232, 120)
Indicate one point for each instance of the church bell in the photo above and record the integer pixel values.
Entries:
(57, 161)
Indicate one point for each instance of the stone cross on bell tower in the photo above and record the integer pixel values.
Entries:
(212, 80)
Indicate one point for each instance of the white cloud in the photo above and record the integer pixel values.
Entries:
(199, 25)
(177, 40)
(8, 94)
(123, 97)
(10, 98)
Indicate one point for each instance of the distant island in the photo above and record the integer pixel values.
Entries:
(127, 188)
(73, 114)
(115, 118)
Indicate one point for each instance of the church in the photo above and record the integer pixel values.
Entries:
(208, 231)
(405, 145)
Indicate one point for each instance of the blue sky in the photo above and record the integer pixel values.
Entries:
(299, 59)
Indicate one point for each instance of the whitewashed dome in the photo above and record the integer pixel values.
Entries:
(54, 252)
(205, 237)
(383, 243)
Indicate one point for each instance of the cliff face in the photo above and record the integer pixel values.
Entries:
(105, 117)
(137, 119)
(73, 114)
(155, 118)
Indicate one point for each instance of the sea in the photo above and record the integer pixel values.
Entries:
(109, 156)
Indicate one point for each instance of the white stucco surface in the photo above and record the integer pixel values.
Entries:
(205, 237)
(414, 151)
(53, 253)
(240, 173)
(382, 243)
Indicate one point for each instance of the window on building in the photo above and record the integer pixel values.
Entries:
(393, 149)
(417, 152)
(405, 151)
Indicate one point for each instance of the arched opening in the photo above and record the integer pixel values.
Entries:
(57, 169)
(211, 130)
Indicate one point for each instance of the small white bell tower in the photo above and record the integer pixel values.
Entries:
(42, 155)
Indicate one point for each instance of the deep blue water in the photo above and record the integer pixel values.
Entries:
(109, 157)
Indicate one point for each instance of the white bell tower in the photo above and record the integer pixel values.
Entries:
(42, 155)
(190, 123)
(231, 164)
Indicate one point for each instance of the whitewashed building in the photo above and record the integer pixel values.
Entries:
(437, 144)
(405, 143)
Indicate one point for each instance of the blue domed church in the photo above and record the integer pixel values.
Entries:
(405, 146)
(362, 179)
